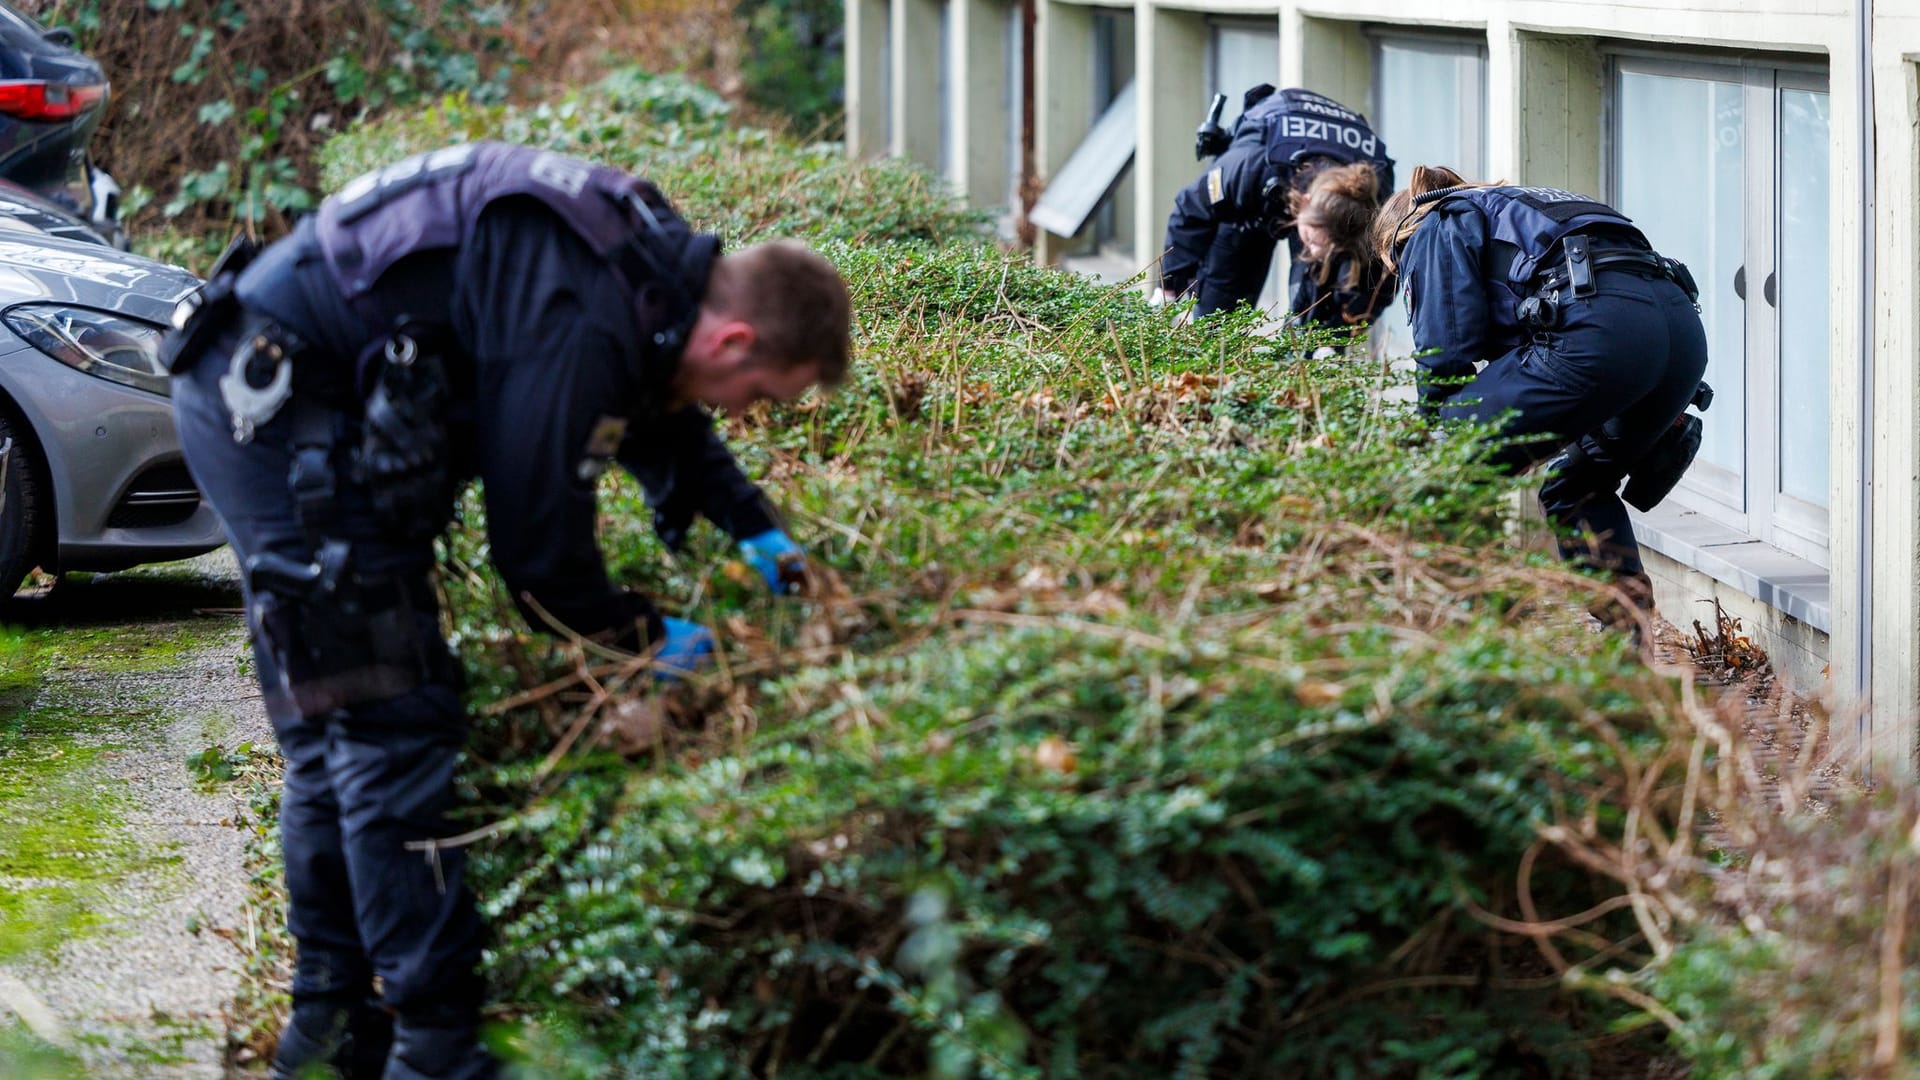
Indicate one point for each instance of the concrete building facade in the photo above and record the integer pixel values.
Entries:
(1772, 145)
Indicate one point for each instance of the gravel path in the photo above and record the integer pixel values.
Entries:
(141, 992)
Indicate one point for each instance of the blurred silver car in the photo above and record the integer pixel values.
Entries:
(94, 479)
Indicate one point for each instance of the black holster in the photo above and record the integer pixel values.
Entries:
(204, 313)
(341, 638)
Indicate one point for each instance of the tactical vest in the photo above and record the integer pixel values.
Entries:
(1296, 124)
(1533, 220)
(432, 201)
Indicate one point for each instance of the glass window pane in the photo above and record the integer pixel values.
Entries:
(1091, 172)
(1243, 57)
(1679, 148)
(1425, 94)
(1802, 293)
(1420, 115)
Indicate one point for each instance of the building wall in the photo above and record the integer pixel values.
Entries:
(1842, 619)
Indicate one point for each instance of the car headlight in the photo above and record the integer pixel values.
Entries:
(112, 347)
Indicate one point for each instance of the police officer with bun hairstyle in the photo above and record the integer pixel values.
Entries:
(1592, 343)
(1339, 283)
(485, 310)
(1221, 234)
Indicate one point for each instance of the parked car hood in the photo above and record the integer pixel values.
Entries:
(24, 206)
(36, 267)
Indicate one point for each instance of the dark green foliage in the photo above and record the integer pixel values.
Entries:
(218, 103)
(1183, 696)
(795, 64)
(740, 182)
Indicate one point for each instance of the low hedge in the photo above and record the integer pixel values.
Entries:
(1172, 704)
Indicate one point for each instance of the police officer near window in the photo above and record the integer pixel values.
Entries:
(1592, 343)
(1221, 234)
(485, 310)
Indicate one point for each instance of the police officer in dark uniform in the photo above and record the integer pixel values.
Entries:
(1592, 342)
(1221, 234)
(483, 310)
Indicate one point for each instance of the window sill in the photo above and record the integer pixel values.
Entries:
(1782, 581)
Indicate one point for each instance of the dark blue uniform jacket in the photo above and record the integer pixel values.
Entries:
(542, 323)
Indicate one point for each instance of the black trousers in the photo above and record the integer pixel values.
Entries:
(362, 781)
(1605, 384)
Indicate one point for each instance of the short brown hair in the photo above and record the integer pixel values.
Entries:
(794, 298)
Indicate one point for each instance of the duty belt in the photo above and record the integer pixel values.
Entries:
(1574, 275)
(1582, 263)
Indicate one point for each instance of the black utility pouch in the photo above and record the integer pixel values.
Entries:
(403, 456)
(1678, 273)
(1655, 475)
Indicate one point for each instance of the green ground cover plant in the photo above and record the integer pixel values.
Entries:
(1171, 704)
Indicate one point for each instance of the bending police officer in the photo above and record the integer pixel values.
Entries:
(1221, 234)
(482, 310)
(1592, 341)
(1339, 283)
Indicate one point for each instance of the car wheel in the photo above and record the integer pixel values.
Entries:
(20, 508)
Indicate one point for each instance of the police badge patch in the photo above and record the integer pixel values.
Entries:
(1216, 189)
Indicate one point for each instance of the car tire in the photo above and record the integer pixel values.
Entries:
(20, 509)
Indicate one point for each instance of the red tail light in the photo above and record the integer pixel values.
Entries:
(35, 99)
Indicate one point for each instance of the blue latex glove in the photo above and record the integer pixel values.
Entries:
(685, 649)
(777, 559)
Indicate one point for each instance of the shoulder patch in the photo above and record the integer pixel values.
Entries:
(1216, 187)
(564, 174)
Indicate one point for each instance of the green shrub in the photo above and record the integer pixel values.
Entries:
(743, 183)
(1185, 703)
(1801, 959)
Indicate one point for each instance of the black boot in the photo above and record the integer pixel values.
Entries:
(426, 1050)
(1628, 617)
(329, 1037)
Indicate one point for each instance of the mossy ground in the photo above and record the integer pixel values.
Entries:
(86, 672)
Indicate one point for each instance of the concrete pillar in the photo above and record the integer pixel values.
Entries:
(981, 129)
(1063, 97)
(1562, 92)
(917, 80)
(868, 89)
(1328, 56)
(1171, 59)
(1896, 528)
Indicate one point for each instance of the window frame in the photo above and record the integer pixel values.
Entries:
(1471, 56)
(1751, 501)
(1273, 293)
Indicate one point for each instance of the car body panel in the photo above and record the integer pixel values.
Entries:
(101, 443)
(49, 156)
(97, 438)
(23, 209)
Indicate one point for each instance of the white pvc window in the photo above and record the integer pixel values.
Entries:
(1726, 167)
(1113, 62)
(1430, 107)
(1082, 186)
